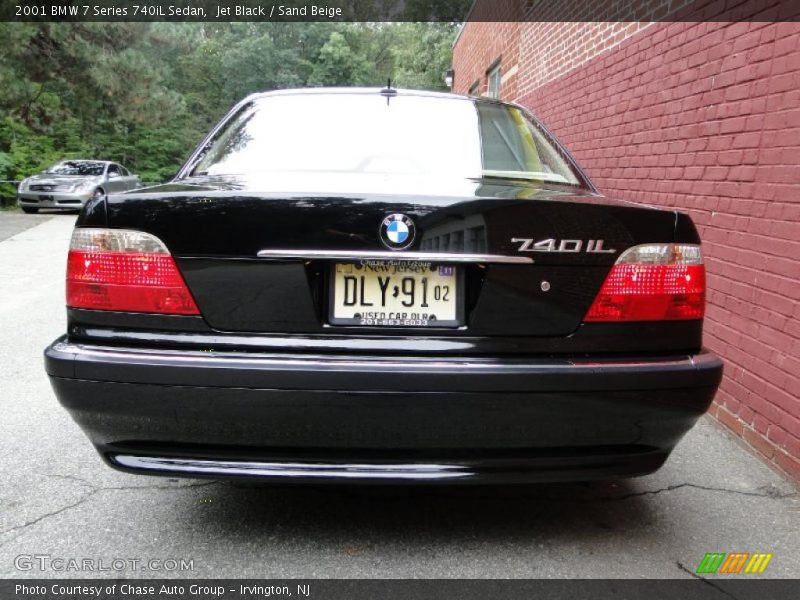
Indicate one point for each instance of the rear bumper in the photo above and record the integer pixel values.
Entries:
(324, 418)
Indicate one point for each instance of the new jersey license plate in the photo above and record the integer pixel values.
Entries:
(378, 293)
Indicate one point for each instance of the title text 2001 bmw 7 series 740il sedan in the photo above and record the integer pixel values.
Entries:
(382, 286)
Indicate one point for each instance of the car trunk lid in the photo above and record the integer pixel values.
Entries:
(563, 244)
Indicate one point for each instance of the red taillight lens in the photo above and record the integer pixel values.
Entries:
(658, 282)
(125, 271)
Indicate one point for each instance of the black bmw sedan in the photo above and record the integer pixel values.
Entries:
(380, 285)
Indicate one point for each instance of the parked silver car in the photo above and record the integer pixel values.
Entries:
(71, 183)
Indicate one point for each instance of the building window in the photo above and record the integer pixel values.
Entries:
(493, 81)
(473, 89)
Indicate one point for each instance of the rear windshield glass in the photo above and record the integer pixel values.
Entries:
(77, 167)
(363, 133)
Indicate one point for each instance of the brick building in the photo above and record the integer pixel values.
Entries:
(700, 114)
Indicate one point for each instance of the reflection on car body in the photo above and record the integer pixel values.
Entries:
(355, 299)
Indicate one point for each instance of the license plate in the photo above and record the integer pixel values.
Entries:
(375, 293)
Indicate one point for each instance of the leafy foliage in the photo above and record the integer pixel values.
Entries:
(145, 94)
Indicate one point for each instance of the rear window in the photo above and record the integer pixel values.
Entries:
(365, 133)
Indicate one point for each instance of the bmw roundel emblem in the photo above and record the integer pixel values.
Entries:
(397, 232)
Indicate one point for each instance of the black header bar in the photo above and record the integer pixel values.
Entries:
(397, 10)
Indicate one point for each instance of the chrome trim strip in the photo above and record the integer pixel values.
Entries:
(305, 362)
(442, 257)
(424, 471)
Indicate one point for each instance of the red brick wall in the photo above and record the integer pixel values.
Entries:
(550, 60)
(705, 118)
(488, 42)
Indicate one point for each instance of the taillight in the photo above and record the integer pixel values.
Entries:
(127, 271)
(653, 282)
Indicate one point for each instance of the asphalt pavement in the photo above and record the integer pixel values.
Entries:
(59, 502)
(12, 222)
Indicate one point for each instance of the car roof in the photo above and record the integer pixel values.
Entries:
(367, 91)
(89, 160)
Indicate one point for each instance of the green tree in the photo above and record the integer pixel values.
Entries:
(146, 93)
(339, 64)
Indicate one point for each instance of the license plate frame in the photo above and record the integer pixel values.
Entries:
(456, 323)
